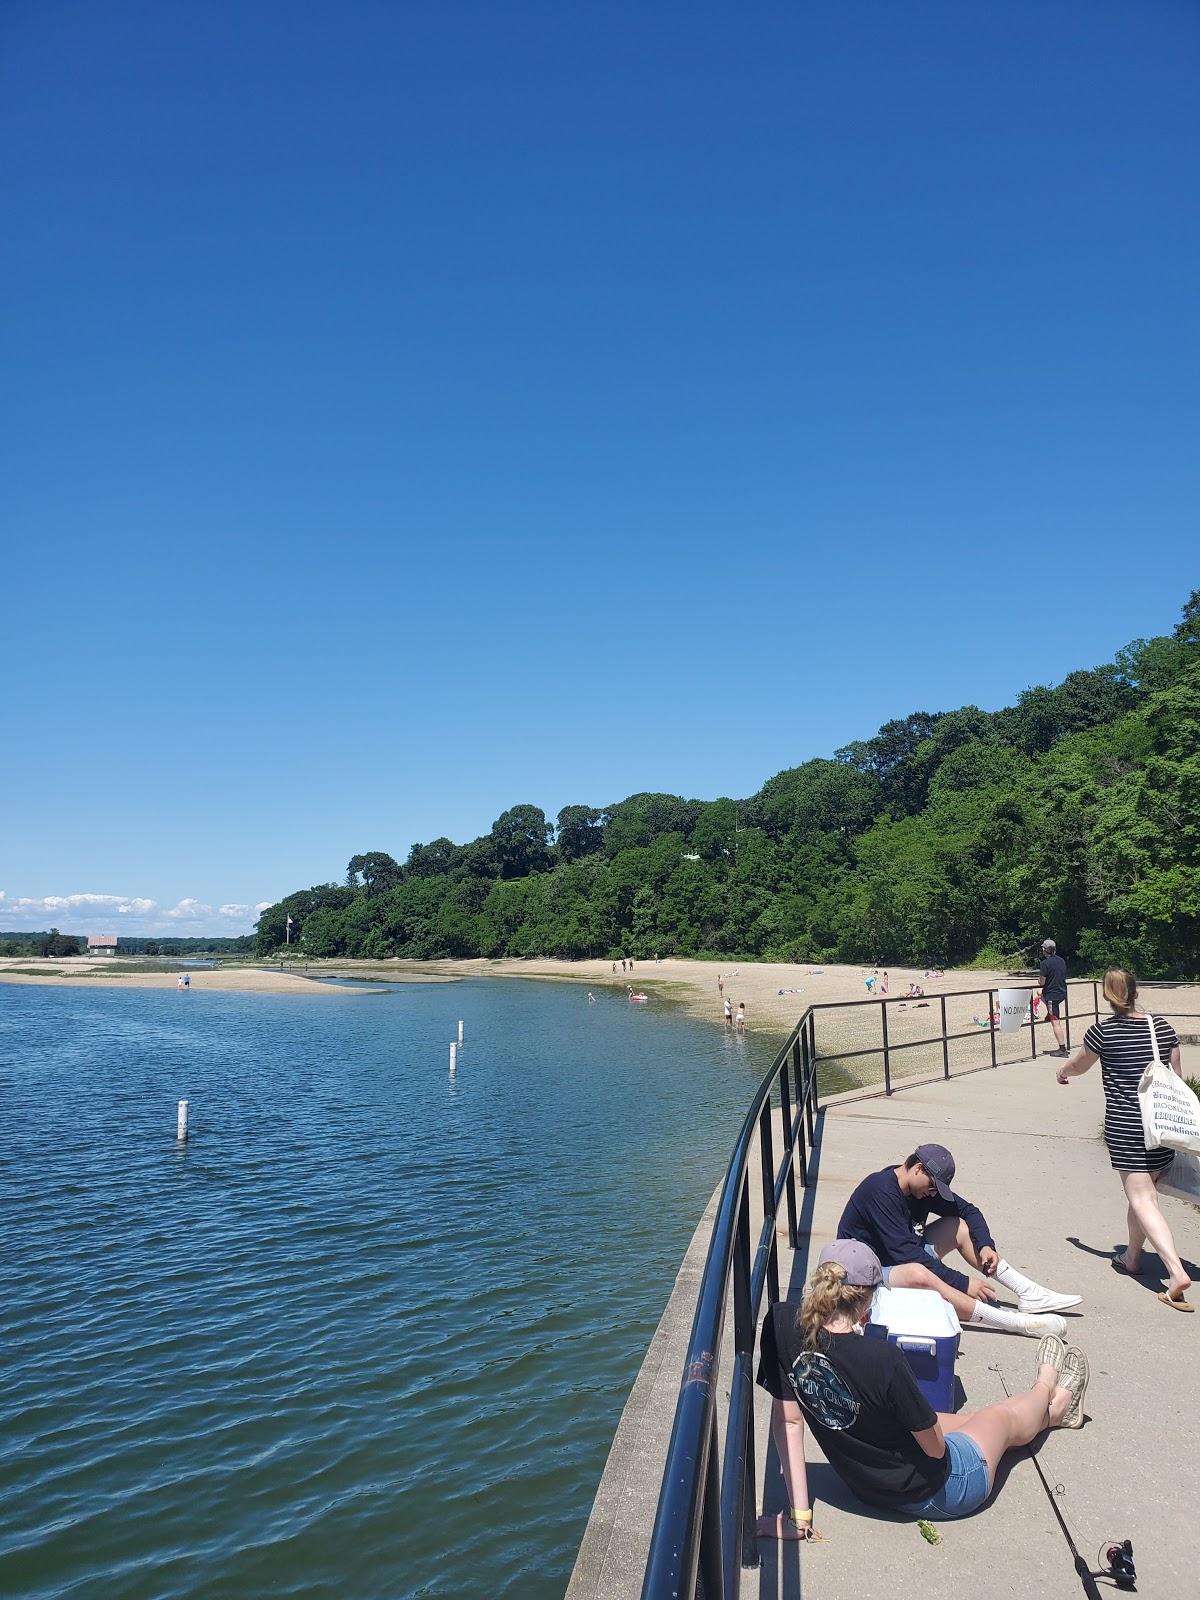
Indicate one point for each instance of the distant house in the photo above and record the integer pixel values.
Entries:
(102, 944)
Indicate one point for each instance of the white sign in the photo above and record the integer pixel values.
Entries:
(1014, 1009)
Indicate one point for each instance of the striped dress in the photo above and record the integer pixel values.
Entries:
(1123, 1045)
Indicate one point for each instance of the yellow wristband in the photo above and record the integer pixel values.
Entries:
(800, 1516)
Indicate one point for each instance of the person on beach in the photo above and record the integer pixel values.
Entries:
(870, 983)
(883, 984)
(720, 984)
(877, 1430)
(889, 1210)
(741, 1016)
(1121, 1044)
(728, 1011)
(1054, 993)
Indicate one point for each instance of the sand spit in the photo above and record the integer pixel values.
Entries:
(774, 993)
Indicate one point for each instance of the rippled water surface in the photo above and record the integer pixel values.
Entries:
(369, 1332)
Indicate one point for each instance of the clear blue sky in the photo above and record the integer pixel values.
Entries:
(414, 410)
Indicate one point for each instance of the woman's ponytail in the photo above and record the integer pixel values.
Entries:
(1120, 990)
(827, 1296)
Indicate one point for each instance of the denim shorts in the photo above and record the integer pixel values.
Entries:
(929, 1251)
(966, 1486)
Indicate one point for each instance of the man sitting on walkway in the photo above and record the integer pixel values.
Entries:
(888, 1211)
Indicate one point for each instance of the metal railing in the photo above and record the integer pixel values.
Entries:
(706, 1508)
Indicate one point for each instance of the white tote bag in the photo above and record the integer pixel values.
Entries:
(1170, 1111)
(1182, 1178)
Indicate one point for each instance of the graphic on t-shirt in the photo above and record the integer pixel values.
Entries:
(822, 1391)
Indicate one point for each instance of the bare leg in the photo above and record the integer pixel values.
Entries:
(1060, 1037)
(912, 1276)
(1132, 1256)
(1142, 1194)
(1011, 1423)
(951, 1233)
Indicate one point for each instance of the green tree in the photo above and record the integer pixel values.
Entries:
(521, 840)
(579, 832)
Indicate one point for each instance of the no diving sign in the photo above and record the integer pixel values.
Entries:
(1014, 1009)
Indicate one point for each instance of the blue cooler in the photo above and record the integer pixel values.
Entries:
(926, 1328)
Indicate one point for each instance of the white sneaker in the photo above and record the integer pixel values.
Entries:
(1044, 1300)
(1038, 1327)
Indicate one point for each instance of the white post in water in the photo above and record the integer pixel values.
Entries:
(460, 1032)
(181, 1123)
(453, 1058)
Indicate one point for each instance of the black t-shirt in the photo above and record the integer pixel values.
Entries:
(862, 1402)
(1054, 978)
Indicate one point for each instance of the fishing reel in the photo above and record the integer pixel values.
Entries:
(1116, 1562)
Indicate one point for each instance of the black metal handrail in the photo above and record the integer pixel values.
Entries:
(705, 1512)
(887, 1048)
(705, 1515)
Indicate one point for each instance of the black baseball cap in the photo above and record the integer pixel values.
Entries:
(939, 1164)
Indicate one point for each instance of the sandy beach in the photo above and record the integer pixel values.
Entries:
(774, 993)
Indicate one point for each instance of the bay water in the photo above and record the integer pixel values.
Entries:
(368, 1333)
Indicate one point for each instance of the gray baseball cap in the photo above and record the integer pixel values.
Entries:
(859, 1260)
(939, 1164)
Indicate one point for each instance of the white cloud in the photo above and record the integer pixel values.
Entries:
(132, 914)
(122, 904)
(189, 910)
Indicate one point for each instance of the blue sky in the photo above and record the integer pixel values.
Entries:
(411, 411)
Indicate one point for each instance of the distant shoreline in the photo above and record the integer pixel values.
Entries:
(689, 984)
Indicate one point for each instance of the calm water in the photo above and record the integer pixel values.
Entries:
(369, 1332)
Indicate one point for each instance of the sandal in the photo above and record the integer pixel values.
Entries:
(1074, 1377)
(1051, 1352)
(1126, 1272)
(1176, 1304)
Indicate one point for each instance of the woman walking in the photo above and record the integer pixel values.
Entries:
(879, 1433)
(1122, 1045)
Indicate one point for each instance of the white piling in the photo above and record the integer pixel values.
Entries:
(181, 1132)
(460, 1026)
(453, 1058)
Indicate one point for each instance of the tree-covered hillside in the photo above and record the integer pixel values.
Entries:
(949, 836)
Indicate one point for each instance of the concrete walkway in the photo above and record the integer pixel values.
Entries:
(1029, 1154)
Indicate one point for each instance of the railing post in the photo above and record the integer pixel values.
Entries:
(811, 1101)
(766, 1156)
(806, 1088)
(1066, 1019)
(945, 1042)
(1032, 1029)
(799, 1062)
(1095, 1001)
(887, 1060)
(743, 1341)
(991, 1022)
(710, 1580)
(789, 1141)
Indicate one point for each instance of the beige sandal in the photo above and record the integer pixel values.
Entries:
(1074, 1377)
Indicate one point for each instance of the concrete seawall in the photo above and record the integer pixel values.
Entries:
(1029, 1153)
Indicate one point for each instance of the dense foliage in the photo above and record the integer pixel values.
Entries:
(68, 944)
(948, 837)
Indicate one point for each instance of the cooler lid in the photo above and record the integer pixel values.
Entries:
(920, 1312)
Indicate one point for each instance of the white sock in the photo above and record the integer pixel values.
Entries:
(990, 1316)
(1016, 1281)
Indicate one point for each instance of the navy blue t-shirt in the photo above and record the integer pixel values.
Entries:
(881, 1215)
(1054, 978)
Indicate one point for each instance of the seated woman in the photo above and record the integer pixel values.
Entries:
(879, 1433)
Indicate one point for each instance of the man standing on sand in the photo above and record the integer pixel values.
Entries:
(1054, 993)
(888, 1211)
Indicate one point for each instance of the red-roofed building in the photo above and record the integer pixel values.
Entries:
(102, 944)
